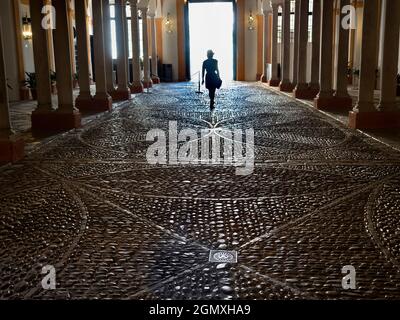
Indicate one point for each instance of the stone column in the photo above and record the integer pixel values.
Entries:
(126, 33)
(41, 58)
(325, 95)
(316, 40)
(154, 58)
(368, 58)
(66, 116)
(266, 43)
(285, 84)
(84, 100)
(102, 100)
(274, 81)
(146, 61)
(302, 91)
(136, 86)
(107, 47)
(342, 97)
(11, 145)
(123, 92)
(390, 56)
(365, 115)
(296, 43)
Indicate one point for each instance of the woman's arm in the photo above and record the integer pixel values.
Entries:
(216, 67)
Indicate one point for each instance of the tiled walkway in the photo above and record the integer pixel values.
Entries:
(88, 203)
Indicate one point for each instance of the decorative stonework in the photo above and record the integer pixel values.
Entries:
(320, 197)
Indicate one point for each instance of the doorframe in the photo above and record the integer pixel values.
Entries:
(187, 34)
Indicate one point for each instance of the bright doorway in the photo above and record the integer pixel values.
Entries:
(211, 26)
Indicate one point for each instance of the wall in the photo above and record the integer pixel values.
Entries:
(10, 47)
(170, 40)
(27, 48)
(251, 41)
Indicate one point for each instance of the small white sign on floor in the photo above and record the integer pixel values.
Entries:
(223, 256)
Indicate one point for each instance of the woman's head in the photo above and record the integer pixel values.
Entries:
(210, 54)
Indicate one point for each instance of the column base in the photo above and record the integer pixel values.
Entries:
(147, 84)
(333, 103)
(274, 82)
(306, 93)
(102, 103)
(374, 120)
(83, 103)
(156, 80)
(286, 87)
(121, 95)
(11, 147)
(55, 121)
(263, 78)
(136, 88)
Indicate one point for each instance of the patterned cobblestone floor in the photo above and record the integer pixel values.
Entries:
(88, 203)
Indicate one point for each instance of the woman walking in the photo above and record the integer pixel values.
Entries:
(213, 80)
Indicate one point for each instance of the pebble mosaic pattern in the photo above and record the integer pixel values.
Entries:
(115, 227)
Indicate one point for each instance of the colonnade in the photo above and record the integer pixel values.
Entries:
(65, 114)
(328, 86)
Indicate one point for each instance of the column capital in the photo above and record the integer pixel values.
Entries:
(133, 4)
(266, 7)
(143, 10)
(267, 10)
(275, 7)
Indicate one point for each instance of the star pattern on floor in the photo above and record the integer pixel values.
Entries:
(87, 202)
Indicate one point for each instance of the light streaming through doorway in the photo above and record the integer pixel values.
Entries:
(211, 27)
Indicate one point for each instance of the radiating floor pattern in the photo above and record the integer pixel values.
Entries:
(321, 197)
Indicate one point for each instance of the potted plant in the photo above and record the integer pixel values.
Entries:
(398, 85)
(53, 79)
(30, 82)
(75, 80)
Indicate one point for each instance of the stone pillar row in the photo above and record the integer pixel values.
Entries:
(285, 84)
(65, 114)
(330, 94)
(48, 117)
(298, 83)
(333, 95)
(366, 114)
(123, 91)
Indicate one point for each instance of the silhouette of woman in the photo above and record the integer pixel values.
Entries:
(213, 80)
